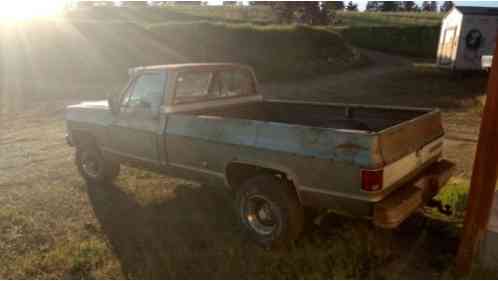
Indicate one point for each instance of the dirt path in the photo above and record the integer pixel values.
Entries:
(339, 87)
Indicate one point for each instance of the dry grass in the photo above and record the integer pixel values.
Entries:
(151, 226)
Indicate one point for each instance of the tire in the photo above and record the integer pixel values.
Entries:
(270, 211)
(103, 171)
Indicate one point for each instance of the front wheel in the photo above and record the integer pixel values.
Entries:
(93, 167)
(270, 211)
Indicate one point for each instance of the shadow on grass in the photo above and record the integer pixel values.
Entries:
(161, 240)
(195, 234)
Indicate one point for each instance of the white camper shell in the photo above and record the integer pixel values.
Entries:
(467, 35)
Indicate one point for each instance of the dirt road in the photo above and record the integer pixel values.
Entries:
(152, 226)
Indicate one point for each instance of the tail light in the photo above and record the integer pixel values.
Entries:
(371, 180)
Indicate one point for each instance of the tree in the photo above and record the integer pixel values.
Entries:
(306, 12)
(352, 7)
(390, 6)
(284, 11)
(429, 6)
(333, 5)
(134, 3)
(447, 6)
(188, 3)
(329, 9)
(261, 3)
(311, 13)
(409, 6)
(373, 6)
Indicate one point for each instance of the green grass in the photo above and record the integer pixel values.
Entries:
(410, 40)
(397, 19)
(79, 259)
(455, 195)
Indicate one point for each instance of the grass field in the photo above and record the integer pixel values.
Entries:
(398, 19)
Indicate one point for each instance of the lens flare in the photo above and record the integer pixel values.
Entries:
(21, 10)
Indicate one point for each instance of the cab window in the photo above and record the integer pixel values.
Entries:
(207, 85)
(192, 86)
(147, 92)
(235, 83)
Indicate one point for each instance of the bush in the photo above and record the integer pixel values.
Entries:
(276, 52)
(417, 41)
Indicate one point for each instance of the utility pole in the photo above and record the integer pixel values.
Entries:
(483, 181)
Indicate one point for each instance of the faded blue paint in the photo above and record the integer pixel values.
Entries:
(319, 143)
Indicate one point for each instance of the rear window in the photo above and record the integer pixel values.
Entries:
(195, 86)
(192, 86)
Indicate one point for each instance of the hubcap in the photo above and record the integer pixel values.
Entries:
(90, 164)
(259, 214)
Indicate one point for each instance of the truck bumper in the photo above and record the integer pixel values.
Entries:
(394, 209)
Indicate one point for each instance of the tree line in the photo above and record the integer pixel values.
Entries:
(408, 6)
(324, 12)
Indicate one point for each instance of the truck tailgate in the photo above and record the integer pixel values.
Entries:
(410, 136)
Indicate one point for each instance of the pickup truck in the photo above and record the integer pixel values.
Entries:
(208, 123)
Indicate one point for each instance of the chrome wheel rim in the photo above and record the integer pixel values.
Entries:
(260, 216)
(90, 164)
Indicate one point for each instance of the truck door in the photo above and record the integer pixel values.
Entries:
(134, 131)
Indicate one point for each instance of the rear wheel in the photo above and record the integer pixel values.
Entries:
(269, 211)
(93, 167)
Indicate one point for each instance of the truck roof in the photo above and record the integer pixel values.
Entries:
(190, 66)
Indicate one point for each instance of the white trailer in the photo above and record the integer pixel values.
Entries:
(486, 62)
(467, 35)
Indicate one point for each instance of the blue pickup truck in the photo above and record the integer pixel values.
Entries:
(209, 123)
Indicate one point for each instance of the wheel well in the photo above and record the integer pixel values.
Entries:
(237, 173)
(81, 138)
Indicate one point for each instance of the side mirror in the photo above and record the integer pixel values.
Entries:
(113, 104)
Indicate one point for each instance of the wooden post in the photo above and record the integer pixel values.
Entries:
(483, 181)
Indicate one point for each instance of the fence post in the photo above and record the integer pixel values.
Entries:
(483, 181)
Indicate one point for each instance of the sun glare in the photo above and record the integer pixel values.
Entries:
(20, 10)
